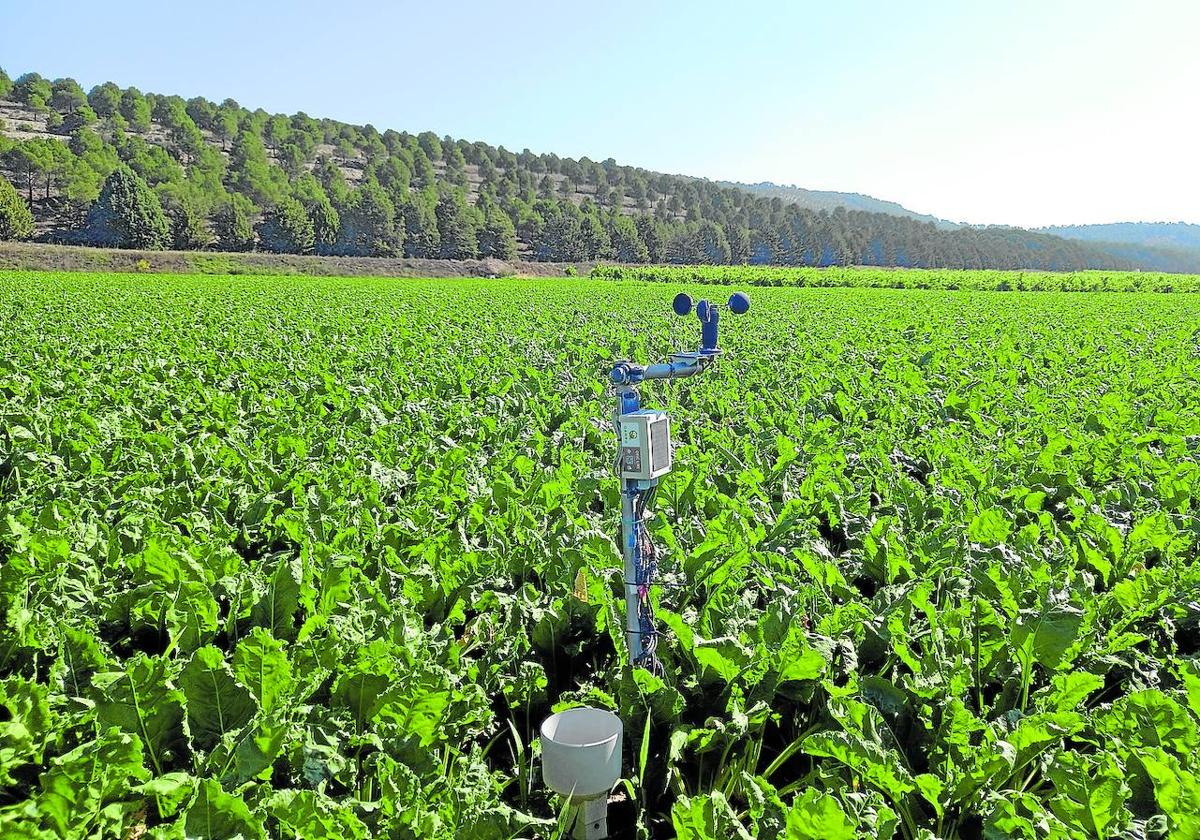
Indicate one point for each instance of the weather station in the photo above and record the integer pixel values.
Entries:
(581, 747)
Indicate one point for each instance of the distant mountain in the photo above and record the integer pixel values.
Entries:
(1160, 246)
(828, 200)
(1154, 234)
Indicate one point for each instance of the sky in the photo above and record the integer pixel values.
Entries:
(1023, 113)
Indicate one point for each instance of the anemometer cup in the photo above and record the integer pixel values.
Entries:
(739, 304)
(708, 314)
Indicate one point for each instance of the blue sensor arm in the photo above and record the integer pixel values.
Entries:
(680, 366)
(683, 365)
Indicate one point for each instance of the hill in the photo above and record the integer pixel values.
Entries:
(1159, 246)
(1152, 234)
(118, 167)
(828, 200)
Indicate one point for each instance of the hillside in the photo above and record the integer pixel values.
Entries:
(829, 200)
(194, 174)
(1160, 246)
(1152, 234)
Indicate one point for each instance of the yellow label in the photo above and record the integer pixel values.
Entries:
(581, 581)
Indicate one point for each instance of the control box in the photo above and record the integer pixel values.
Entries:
(645, 444)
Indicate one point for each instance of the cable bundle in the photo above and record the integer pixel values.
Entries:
(646, 566)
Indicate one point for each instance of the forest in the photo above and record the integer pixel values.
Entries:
(116, 167)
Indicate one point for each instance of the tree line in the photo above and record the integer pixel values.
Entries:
(131, 169)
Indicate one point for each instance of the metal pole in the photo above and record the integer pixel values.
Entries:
(628, 401)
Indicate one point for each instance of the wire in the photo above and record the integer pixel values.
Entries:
(645, 568)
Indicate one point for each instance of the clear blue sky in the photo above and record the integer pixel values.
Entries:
(1027, 113)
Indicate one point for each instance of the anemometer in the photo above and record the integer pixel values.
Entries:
(644, 456)
(581, 747)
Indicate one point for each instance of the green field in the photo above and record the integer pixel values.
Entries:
(943, 279)
(312, 558)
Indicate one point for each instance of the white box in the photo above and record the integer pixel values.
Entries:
(645, 444)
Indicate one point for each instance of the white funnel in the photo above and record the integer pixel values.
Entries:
(581, 760)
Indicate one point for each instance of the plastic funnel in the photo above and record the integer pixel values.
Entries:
(581, 752)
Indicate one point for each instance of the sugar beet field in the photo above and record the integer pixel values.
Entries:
(312, 558)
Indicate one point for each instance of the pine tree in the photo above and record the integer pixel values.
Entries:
(136, 109)
(560, 238)
(232, 226)
(595, 243)
(627, 246)
(286, 229)
(649, 233)
(422, 239)
(369, 224)
(498, 237)
(33, 90)
(127, 214)
(739, 243)
(326, 224)
(105, 99)
(457, 227)
(189, 231)
(16, 222)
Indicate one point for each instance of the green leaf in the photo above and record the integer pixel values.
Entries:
(878, 766)
(260, 664)
(1151, 719)
(932, 789)
(217, 815)
(330, 597)
(81, 656)
(989, 527)
(140, 701)
(1189, 672)
(25, 728)
(644, 749)
(361, 691)
(1010, 819)
(169, 791)
(818, 816)
(720, 658)
(768, 813)
(312, 816)
(417, 706)
(276, 610)
(1067, 691)
(706, 817)
(1176, 789)
(665, 700)
(254, 751)
(1088, 795)
(167, 565)
(1045, 637)
(192, 616)
(1035, 734)
(81, 783)
(787, 452)
(797, 659)
(216, 704)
